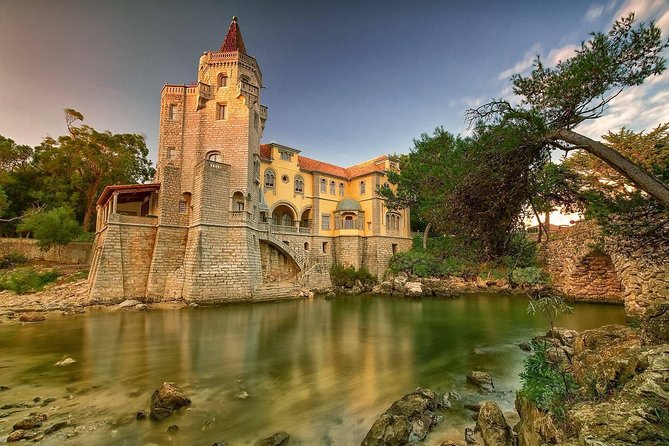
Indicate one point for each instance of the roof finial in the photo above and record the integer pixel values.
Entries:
(234, 18)
(233, 40)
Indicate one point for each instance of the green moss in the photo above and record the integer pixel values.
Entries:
(12, 259)
(27, 280)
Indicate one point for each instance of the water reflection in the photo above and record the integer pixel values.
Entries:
(321, 370)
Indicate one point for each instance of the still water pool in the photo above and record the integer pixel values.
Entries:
(320, 370)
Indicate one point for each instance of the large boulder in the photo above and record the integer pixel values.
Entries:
(482, 380)
(655, 323)
(493, 426)
(536, 426)
(407, 421)
(32, 421)
(166, 399)
(607, 357)
(413, 289)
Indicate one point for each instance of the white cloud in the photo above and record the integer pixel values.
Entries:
(522, 65)
(466, 101)
(562, 53)
(594, 12)
(643, 9)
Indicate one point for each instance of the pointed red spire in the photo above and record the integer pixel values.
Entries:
(233, 40)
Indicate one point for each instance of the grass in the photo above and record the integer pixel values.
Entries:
(27, 280)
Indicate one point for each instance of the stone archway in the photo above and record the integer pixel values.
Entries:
(278, 266)
(593, 277)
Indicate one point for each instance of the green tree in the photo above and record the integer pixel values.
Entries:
(52, 228)
(83, 163)
(556, 100)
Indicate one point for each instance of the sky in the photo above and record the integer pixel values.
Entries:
(344, 81)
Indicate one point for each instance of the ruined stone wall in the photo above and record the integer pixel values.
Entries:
(587, 266)
(75, 252)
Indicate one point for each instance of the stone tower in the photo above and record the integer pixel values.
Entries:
(209, 173)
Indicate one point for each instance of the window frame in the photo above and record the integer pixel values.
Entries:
(269, 173)
(221, 107)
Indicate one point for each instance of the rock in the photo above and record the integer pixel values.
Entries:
(141, 307)
(242, 395)
(399, 281)
(128, 304)
(141, 415)
(566, 336)
(482, 380)
(278, 439)
(408, 420)
(21, 434)
(193, 305)
(606, 357)
(535, 426)
(475, 407)
(355, 290)
(453, 395)
(655, 323)
(493, 426)
(55, 427)
(525, 346)
(32, 421)
(448, 443)
(443, 402)
(413, 289)
(31, 317)
(306, 294)
(3, 388)
(166, 399)
(469, 437)
(221, 443)
(330, 295)
(66, 361)
(48, 401)
(173, 428)
(386, 287)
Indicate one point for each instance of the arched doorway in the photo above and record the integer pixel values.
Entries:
(283, 215)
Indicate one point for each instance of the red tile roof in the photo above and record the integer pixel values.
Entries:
(311, 165)
(233, 40)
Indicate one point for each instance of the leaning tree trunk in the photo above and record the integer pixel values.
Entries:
(642, 179)
(426, 233)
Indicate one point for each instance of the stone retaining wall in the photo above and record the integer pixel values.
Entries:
(587, 266)
(77, 252)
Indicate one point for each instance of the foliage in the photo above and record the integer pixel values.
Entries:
(613, 201)
(545, 385)
(348, 276)
(550, 306)
(55, 227)
(12, 259)
(445, 256)
(4, 202)
(530, 275)
(27, 280)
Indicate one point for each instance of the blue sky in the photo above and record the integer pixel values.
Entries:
(345, 81)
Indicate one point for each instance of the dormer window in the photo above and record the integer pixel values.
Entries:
(286, 156)
(222, 80)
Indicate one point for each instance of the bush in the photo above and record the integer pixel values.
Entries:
(530, 275)
(545, 385)
(27, 280)
(425, 264)
(348, 276)
(12, 259)
(55, 227)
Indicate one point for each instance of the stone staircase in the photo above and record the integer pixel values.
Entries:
(297, 254)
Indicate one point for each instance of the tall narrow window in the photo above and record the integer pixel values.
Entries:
(324, 185)
(362, 188)
(332, 187)
(299, 185)
(222, 80)
(220, 111)
(269, 178)
(170, 153)
(325, 222)
(256, 120)
(341, 189)
(172, 112)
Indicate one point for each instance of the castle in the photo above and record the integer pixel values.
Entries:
(229, 218)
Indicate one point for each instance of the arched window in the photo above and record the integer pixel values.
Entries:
(341, 189)
(238, 201)
(222, 80)
(362, 188)
(299, 185)
(332, 187)
(348, 222)
(324, 185)
(286, 220)
(269, 178)
(393, 222)
(215, 156)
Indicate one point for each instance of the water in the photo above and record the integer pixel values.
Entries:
(320, 370)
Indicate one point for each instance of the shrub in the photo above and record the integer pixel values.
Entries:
(12, 259)
(55, 227)
(27, 280)
(530, 275)
(348, 276)
(545, 385)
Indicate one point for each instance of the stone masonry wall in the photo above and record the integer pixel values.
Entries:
(587, 266)
(76, 252)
